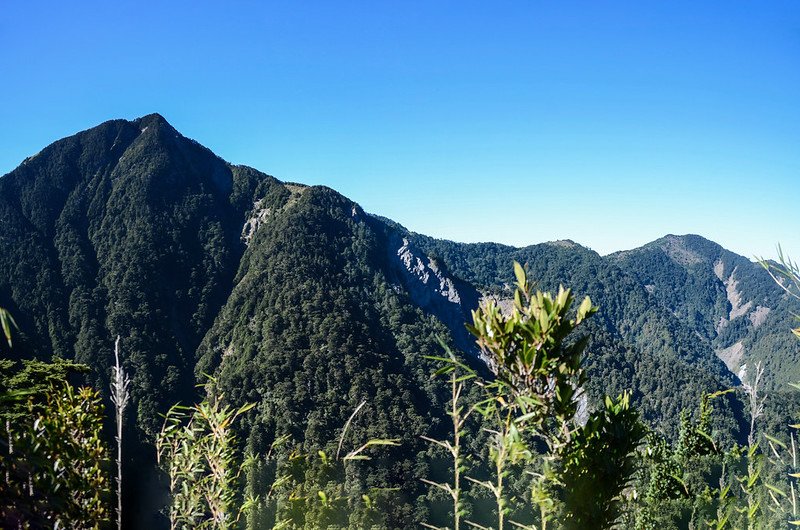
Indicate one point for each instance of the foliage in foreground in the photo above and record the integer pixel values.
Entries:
(545, 463)
(578, 470)
(197, 449)
(54, 463)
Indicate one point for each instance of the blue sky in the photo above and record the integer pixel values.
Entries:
(609, 123)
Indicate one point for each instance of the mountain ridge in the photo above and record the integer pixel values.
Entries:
(156, 134)
(295, 299)
(153, 133)
(740, 301)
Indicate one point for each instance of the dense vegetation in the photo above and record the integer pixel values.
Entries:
(724, 298)
(297, 301)
(54, 459)
(634, 341)
(539, 464)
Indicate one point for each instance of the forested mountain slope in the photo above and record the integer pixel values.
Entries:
(315, 325)
(634, 341)
(297, 300)
(126, 229)
(731, 303)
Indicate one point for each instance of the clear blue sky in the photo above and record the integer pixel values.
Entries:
(609, 123)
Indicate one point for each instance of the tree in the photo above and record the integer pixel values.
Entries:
(55, 463)
(538, 380)
(529, 409)
(599, 463)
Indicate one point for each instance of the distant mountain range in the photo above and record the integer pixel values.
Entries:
(298, 300)
(729, 301)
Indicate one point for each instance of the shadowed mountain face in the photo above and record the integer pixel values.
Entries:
(126, 229)
(297, 300)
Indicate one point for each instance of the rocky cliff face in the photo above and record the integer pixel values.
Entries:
(434, 290)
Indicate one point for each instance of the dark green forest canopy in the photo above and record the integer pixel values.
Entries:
(731, 303)
(299, 301)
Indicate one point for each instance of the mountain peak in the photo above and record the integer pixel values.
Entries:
(687, 249)
(152, 118)
(154, 121)
(566, 243)
(688, 239)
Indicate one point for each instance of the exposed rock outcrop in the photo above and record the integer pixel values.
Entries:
(259, 215)
(759, 315)
(434, 290)
(735, 297)
(732, 356)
